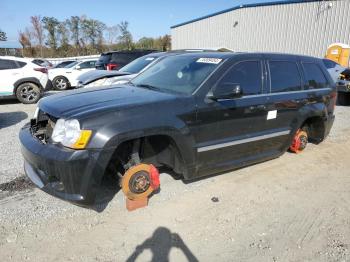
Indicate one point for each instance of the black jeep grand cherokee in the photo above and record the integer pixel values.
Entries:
(197, 114)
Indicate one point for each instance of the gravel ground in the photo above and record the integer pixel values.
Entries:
(294, 208)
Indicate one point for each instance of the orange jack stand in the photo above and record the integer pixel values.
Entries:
(132, 205)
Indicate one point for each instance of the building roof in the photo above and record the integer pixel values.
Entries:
(285, 2)
(10, 44)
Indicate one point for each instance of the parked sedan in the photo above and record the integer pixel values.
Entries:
(63, 78)
(128, 72)
(64, 63)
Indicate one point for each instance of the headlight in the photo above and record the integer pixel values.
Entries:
(69, 134)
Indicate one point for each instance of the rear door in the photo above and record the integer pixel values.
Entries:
(228, 130)
(286, 97)
(10, 72)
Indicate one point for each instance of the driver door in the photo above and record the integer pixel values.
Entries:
(227, 128)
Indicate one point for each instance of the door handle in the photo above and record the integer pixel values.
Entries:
(259, 107)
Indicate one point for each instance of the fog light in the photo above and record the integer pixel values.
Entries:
(58, 186)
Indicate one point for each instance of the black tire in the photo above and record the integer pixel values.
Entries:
(343, 98)
(28, 93)
(60, 83)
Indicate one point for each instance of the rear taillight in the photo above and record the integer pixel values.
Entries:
(112, 66)
(42, 70)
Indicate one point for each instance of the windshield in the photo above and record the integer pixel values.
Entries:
(181, 74)
(71, 64)
(137, 65)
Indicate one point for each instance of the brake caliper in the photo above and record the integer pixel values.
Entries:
(299, 141)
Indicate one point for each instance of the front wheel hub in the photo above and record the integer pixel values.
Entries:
(140, 181)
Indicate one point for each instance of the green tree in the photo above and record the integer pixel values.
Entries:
(74, 24)
(63, 34)
(125, 37)
(51, 24)
(3, 36)
(93, 31)
(145, 43)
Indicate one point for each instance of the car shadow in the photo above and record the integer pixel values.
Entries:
(108, 189)
(11, 118)
(9, 100)
(160, 244)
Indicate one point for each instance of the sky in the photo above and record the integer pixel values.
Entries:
(151, 18)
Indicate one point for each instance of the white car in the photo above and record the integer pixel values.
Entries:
(66, 77)
(21, 78)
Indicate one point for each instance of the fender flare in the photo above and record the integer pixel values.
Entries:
(26, 80)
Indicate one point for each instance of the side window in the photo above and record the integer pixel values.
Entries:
(314, 76)
(123, 58)
(285, 76)
(7, 64)
(87, 64)
(247, 74)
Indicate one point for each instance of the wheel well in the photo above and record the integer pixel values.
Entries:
(315, 128)
(23, 82)
(159, 150)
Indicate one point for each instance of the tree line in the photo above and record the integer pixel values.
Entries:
(81, 35)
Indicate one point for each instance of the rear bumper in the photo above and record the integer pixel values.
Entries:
(71, 175)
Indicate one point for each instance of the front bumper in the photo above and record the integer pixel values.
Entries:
(71, 175)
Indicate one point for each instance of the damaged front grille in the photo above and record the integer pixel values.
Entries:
(42, 127)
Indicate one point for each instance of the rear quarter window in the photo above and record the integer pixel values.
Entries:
(285, 76)
(104, 58)
(329, 63)
(314, 76)
(10, 64)
(124, 58)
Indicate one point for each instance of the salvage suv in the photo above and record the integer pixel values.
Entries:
(195, 114)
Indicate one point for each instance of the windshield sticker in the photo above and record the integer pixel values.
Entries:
(179, 75)
(149, 58)
(209, 60)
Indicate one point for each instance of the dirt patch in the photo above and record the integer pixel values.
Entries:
(18, 184)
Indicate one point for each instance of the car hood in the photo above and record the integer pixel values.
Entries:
(94, 75)
(82, 102)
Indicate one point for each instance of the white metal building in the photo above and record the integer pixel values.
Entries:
(300, 27)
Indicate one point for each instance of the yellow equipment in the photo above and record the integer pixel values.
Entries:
(339, 53)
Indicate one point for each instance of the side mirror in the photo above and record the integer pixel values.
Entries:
(78, 67)
(227, 91)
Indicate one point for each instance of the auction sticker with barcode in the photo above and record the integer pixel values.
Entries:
(209, 60)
